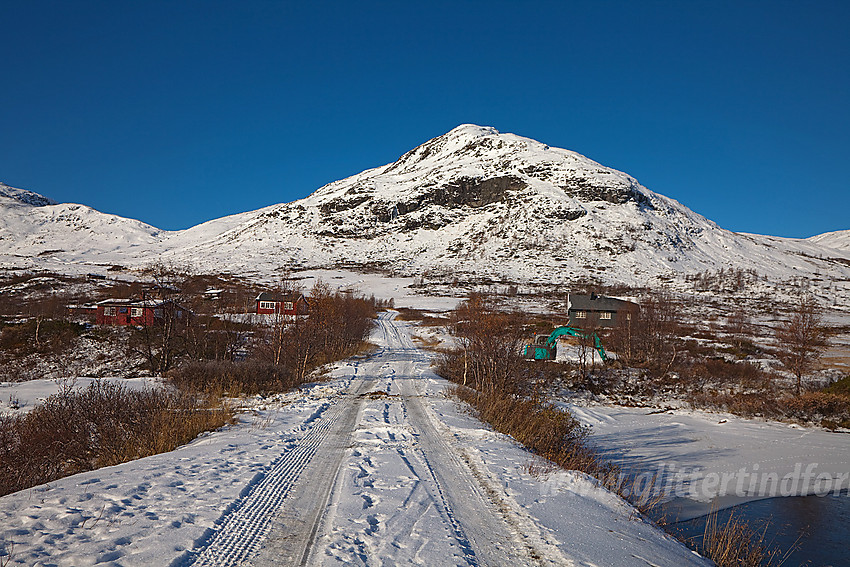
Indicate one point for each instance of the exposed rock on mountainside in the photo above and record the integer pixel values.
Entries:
(477, 203)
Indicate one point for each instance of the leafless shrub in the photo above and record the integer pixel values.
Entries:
(163, 343)
(815, 406)
(739, 326)
(232, 378)
(802, 338)
(337, 326)
(213, 338)
(38, 336)
(723, 280)
(105, 424)
(650, 337)
(286, 353)
(719, 371)
(489, 346)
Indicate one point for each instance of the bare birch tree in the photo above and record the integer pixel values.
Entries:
(802, 339)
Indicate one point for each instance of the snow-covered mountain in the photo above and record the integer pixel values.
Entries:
(38, 232)
(470, 203)
(839, 240)
(499, 206)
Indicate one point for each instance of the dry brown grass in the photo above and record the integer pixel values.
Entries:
(104, 424)
(426, 343)
(549, 432)
(737, 543)
(221, 377)
(826, 408)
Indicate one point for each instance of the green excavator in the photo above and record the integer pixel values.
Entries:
(545, 346)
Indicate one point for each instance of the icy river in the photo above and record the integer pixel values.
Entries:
(814, 529)
(794, 479)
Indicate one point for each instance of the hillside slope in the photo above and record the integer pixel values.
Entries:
(37, 232)
(840, 240)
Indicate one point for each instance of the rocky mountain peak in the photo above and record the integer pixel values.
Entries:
(25, 197)
(473, 167)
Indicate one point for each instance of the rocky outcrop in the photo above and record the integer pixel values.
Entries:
(590, 190)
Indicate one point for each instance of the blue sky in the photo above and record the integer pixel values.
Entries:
(179, 112)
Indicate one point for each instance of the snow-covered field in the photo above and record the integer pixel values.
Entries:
(377, 464)
(699, 459)
(400, 289)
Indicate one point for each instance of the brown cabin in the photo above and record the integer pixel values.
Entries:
(592, 311)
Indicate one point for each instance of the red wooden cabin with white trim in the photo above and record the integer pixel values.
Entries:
(290, 305)
(139, 313)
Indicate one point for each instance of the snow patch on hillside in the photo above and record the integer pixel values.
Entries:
(840, 240)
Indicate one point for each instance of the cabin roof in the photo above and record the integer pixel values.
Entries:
(266, 296)
(595, 302)
(136, 302)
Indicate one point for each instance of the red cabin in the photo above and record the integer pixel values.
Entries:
(290, 305)
(140, 313)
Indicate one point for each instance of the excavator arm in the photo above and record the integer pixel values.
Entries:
(561, 331)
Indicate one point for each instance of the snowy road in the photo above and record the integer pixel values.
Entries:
(375, 467)
(389, 488)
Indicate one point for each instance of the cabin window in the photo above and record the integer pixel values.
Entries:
(581, 314)
(605, 315)
(109, 311)
(267, 305)
(122, 310)
(135, 312)
(287, 305)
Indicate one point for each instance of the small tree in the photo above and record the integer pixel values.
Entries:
(802, 339)
(165, 341)
(587, 348)
(648, 336)
(739, 326)
(491, 343)
(45, 309)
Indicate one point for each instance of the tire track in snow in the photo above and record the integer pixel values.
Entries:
(289, 514)
(415, 459)
(441, 482)
(240, 531)
(528, 544)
